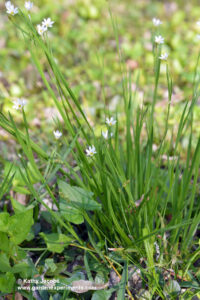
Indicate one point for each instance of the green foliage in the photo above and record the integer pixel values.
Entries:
(13, 231)
(78, 197)
(102, 295)
(17, 226)
(138, 188)
(70, 213)
(7, 282)
(172, 289)
(56, 242)
(20, 225)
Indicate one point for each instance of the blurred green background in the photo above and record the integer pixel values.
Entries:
(83, 42)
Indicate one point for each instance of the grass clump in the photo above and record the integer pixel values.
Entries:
(123, 204)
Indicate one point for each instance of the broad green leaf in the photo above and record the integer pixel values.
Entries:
(4, 263)
(60, 267)
(172, 288)
(26, 268)
(49, 262)
(4, 221)
(102, 295)
(20, 225)
(77, 197)
(56, 242)
(17, 207)
(7, 282)
(20, 267)
(4, 242)
(70, 213)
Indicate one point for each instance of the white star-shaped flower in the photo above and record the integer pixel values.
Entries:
(159, 39)
(111, 121)
(11, 10)
(57, 134)
(41, 29)
(156, 22)
(106, 135)
(28, 5)
(47, 22)
(19, 103)
(164, 56)
(8, 4)
(91, 151)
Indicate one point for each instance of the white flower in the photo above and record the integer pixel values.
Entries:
(198, 23)
(198, 37)
(105, 134)
(19, 103)
(57, 134)
(154, 147)
(47, 22)
(156, 22)
(91, 151)
(110, 121)
(28, 5)
(8, 4)
(41, 29)
(11, 10)
(163, 56)
(159, 39)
